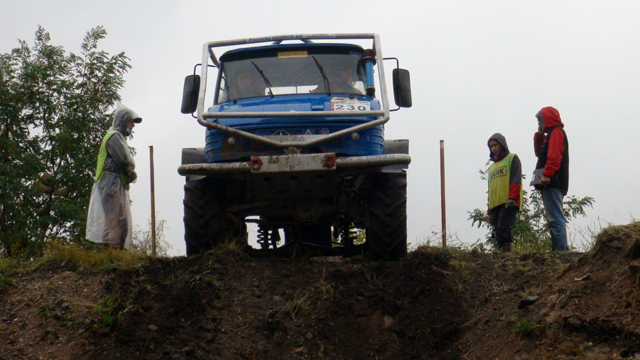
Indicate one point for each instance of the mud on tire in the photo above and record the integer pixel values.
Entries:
(206, 221)
(387, 230)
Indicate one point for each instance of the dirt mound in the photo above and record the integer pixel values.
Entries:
(435, 304)
(596, 298)
(587, 309)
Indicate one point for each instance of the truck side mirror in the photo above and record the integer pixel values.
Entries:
(190, 94)
(402, 87)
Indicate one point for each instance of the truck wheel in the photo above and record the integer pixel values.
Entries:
(387, 230)
(206, 224)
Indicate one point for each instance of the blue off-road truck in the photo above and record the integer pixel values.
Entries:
(295, 144)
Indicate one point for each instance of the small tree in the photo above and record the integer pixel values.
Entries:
(54, 113)
(531, 228)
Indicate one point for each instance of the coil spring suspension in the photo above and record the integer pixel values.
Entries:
(263, 237)
(347, 235)
(268, 237)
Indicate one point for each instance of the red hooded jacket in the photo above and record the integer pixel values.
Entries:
(557, 147)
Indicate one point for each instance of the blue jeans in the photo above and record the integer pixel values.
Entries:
(552, 200)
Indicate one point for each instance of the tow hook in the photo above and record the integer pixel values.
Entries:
(256, 163)
(329, 160)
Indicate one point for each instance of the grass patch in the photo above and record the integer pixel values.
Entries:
(100, 259)
(71, 322)
(89, 258)
(523, 326)
(15, 266)
(204, 280)
(458, 265)
(5, 281)
(299, 304)
(105, 310)
(626, 234)
(45, 310)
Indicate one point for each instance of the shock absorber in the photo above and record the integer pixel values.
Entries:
(274, 237)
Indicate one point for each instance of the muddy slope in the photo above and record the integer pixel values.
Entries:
(433, 305)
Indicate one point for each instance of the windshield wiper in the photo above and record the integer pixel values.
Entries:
(266, 81)
(325, 79)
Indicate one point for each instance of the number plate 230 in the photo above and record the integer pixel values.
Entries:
(350, 105)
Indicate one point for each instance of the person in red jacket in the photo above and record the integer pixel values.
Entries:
(552, 149)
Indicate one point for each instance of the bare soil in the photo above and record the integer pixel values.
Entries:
(435, 304)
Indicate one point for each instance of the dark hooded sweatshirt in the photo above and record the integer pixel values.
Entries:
(552, 149)
(515, 180)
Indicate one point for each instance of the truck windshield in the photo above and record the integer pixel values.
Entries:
(291, 72)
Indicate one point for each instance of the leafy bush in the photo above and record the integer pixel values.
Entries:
(142, 239)
(531, 232)
(54, 113)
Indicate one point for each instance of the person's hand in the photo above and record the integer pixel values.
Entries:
(511, 203)
(540, 123)
(131, 177)
(545, 180)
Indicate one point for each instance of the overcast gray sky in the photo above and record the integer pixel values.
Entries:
(477, 67)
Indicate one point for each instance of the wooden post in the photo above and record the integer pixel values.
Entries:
(442, 197)
(153, 206)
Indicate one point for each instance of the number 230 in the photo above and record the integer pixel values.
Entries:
(349, 107)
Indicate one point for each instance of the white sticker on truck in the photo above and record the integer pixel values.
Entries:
(346, 104)
(291, 54)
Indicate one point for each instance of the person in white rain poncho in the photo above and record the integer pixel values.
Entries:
(109, 219)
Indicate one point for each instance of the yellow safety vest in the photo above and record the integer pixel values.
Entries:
(102, 156)
(499, 175)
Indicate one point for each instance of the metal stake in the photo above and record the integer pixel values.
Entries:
(153, 206)
(442, 197)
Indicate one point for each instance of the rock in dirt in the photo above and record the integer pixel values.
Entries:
(583, 278)
(616, 244)
(574, 321)
(528, 301)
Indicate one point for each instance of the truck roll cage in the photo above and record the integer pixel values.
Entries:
(208, 54)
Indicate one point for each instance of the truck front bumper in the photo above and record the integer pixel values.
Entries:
(295, 163)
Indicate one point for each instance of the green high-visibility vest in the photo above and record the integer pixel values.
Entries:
(102, 156)
(499, 175)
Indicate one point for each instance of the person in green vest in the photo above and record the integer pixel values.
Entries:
(505, 190)
(109, 218)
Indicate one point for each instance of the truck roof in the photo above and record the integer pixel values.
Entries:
(274, 50)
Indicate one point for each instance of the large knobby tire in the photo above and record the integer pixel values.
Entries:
(387, 230)
(206, 222)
